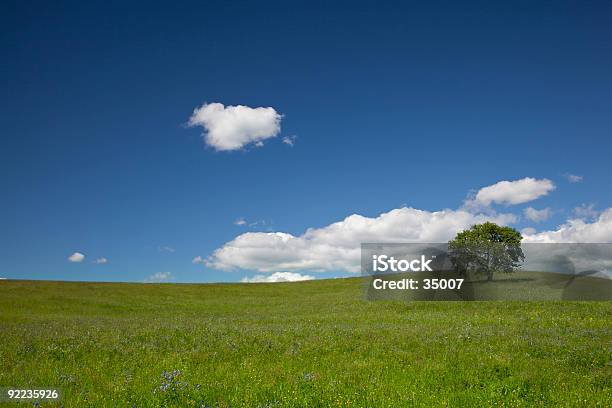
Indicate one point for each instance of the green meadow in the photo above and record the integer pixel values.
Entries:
(306, 344)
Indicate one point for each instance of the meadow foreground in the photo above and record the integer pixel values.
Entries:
(307, 344)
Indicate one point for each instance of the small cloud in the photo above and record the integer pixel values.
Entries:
(166, 249)
(537, 215)
(159, 277)
(229, 128)
(2, 278)
(528, 231)
(198, 260)
(586, 212)
(102, 260)
(76, 257)
(572, 178)
(511, 192)
(278, 277)
(241, 222)
(289, 140)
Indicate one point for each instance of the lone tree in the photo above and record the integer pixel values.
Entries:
(486, 248)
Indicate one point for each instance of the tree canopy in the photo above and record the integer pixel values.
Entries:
(486, 248)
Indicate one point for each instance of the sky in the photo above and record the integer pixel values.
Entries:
(228, 141)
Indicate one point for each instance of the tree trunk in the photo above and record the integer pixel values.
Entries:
(489, 271)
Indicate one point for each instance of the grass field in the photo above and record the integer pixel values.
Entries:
(307, 344)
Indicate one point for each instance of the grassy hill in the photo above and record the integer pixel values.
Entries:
(306, 344)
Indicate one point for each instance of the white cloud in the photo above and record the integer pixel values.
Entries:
(101, 260)
(76, 257)
(512, 192)
(289, 140)
(572, 178)
(233, 127)
(159, 277)
(198, 260)
(577, 230)
(528, 231)
(278, 277)
(537, 215)
(258, 223)
(166, 249)
(586, 212)
(336, 247)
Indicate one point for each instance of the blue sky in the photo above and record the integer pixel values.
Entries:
(392, 105)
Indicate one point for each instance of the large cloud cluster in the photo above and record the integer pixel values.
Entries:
(336, 247)
(578, 230)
